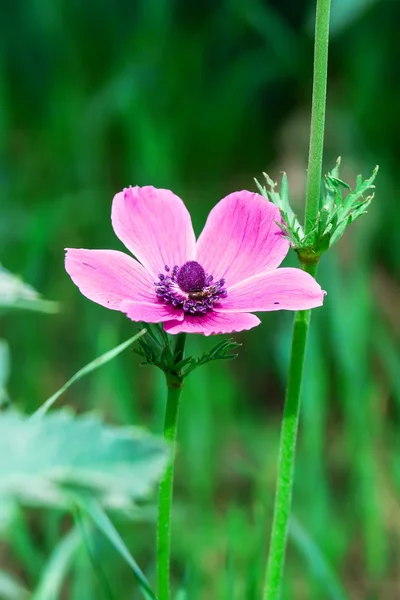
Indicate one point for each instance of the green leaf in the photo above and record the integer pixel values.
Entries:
(7, 513)
(360, 189)
(40, 459)
(4, 372)
(336, 168)
(292, 227)
(15, 294)
(222, 351)
(11, 588)
(338, 183)
(339, 231)
(317, 562)
(102, 521)
(339, 212)
(284, 191)
(92, 366)
(53, 576)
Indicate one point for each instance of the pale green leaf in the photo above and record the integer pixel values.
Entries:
(11, 588)
(16, 294)
(40, 458)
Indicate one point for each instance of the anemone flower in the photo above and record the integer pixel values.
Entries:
(208, 286)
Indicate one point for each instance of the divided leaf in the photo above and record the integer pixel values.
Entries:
(336, 212)
(156, 349)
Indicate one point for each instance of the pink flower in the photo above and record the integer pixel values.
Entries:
(207, 286)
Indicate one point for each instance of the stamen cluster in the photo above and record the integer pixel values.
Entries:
(194, 299)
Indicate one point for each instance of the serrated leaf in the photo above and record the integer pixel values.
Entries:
(360, 189)
(336, 168)
(92, 366)
(362, 209)
(344, 212)
(184, 363)
(324, 217)
(262, 189)
(281, 200)
(339, 231)
(40, 459)
(337, 183)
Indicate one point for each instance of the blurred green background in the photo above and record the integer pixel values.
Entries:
(201, 97)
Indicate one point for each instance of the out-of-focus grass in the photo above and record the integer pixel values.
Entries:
(202, 97)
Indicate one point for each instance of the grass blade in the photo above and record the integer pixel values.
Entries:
(317, 561)
(90, 507)
(54, 573)
(11, 589)
(92, 366)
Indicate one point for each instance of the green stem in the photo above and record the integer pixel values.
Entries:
(287, 447)
(287, 451)
(174, 385)
(316, 147)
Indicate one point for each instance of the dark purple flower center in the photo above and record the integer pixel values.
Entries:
(191, 277)
(190, 288)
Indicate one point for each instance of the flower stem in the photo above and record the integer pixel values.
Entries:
(320, 76)
(287, 448)
(174, 385)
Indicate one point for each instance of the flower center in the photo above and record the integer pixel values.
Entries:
(191, 277)
(190, 288)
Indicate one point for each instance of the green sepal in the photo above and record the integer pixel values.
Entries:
(156, 348)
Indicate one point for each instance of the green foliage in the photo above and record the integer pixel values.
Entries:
(337, 211)
(100, 518)
(41, 459)
(317, 561)
(4, 371)
(92, 366)
(201, 97)
(11, 588)
(335, 214)
(17, 295)
(157, 349)
(56, 569)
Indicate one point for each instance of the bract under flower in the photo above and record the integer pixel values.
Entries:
(210, 286)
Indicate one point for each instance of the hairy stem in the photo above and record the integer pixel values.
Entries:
(287, 447)
(320, 76)
(174, 385)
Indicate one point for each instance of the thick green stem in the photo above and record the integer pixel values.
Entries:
(320, 76)
(287, 448)
(174, 385)
(287, 451)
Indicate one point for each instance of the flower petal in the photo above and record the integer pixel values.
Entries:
(109, 277)
(241, 238)
(155, 226)
(281, 289)
(151, 313)
(213, 323)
